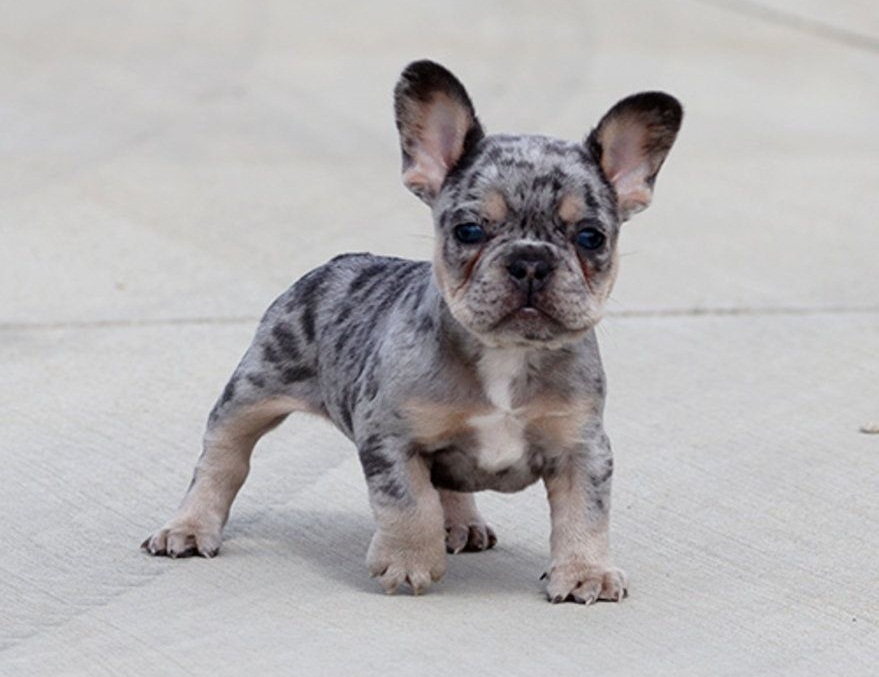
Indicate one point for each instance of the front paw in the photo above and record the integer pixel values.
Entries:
(394, 562)
(585, 583)
(184, 538)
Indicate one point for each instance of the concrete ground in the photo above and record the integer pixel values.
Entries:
(168, 168)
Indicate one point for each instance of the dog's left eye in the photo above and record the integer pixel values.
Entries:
(590, 238)
(470, 233)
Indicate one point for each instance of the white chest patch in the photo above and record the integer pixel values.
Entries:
(500, 433)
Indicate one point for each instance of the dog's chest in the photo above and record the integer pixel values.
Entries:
(500, 432)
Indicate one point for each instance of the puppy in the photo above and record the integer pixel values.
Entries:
(477, 371)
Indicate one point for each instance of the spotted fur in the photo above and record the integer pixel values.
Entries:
(479, 370)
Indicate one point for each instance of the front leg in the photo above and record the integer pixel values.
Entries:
(409, 542)
(579, 500)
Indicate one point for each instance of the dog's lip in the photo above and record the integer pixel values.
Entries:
(535, 327)
(526, 312)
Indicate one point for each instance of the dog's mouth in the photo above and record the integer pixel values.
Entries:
(531, 306)
(554, 313)
(534, 324)
(530, 313)
(531, 322)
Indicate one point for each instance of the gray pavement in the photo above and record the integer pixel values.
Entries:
(168, 168)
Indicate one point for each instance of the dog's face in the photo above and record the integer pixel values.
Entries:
(526, 241)
(526, 226)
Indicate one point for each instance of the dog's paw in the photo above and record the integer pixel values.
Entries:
(183, 539)
(466, 530)
(469, 537)
(584, 583)
(416, 564)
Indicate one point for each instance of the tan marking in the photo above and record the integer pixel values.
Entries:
(554, 419)
(433, 423)
(255, 420)
(494, 207)
(219, 474)
(572, 208)
(559, 421)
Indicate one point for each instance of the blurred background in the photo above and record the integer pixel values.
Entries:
(238, 144)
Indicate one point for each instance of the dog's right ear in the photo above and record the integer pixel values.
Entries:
(437, 126)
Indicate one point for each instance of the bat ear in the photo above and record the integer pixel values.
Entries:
(437, 126)
(631, 143)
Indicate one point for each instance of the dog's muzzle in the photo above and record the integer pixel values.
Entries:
(530, 268)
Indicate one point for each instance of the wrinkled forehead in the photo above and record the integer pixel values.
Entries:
(509, 176)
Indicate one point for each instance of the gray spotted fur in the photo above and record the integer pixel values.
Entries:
(362, 337)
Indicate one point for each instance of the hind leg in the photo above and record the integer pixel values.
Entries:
(466, 530)
(231, 435)
(276, 376)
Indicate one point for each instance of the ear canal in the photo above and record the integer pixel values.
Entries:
(437, 126)
(631, 142)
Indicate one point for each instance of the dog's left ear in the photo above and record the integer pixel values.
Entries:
(631, 142)
(437, 125)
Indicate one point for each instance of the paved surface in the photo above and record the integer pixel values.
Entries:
(167, 168)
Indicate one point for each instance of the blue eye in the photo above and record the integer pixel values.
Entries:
(590, 238)
(470, 233)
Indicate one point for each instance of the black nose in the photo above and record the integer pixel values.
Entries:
(530, 269)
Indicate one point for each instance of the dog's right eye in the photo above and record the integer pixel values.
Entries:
(470, 233)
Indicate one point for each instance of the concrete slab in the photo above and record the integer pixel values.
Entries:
(168, 169)
(744, 513)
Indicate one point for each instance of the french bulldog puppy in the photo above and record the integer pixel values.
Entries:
(478, 370)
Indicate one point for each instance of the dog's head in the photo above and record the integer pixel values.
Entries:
(526, 226)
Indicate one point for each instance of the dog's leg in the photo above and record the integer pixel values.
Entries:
(221, 470)
(466, 530)
(409, 542)
(276, 376)
(579, 499)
